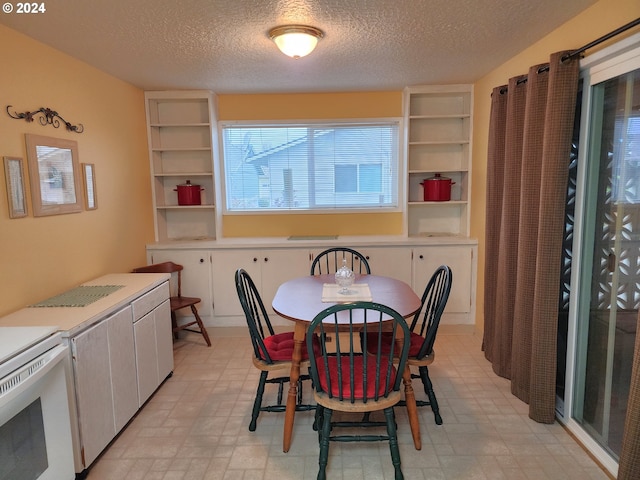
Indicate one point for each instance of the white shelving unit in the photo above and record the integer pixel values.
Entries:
(182, 144)
(438, 121)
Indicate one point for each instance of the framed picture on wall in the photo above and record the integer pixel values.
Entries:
(14, 177)
(89, 177)
(54, 175)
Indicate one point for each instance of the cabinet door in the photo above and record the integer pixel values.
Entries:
(121, 359)
(196, 276)
(392, 262)
(224, 266)
(278, 266)
(164, 339)
(459, 258)
(94, 395)
(268, 268)
(146, 356)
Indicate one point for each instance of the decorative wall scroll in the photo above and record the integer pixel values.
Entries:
(89, 176)
(46, 116)
(14, 177)
(54, 174)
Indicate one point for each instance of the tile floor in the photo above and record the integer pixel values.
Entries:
(195, 427)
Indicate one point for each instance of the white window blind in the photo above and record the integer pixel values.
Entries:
(329, 166)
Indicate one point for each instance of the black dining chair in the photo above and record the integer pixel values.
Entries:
(330, 260)
(271, 351)
(424, 328)
(346, 380)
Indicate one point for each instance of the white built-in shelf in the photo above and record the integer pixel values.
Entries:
(181, 147)
(438, 138)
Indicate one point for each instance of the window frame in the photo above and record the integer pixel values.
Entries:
(298, 123)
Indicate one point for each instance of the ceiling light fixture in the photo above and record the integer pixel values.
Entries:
(296, 41)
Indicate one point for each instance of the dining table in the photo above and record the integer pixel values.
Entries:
(301, 299)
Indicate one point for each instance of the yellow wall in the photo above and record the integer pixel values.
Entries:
(311, 107)
(601, 18)
(43, 256)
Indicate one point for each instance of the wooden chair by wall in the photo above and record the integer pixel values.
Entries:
(178, 302)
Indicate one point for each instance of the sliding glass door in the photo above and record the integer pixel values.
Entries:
(608, 280)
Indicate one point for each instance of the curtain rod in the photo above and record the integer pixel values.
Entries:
(604, 38)
(582, 49)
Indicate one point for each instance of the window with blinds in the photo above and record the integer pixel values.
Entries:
(338, 166)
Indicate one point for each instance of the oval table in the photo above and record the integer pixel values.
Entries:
(300, 300)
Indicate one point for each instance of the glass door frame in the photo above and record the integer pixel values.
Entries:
(613, 61)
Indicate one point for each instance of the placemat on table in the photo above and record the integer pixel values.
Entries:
(356, 293)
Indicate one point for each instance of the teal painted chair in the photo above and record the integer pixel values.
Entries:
(271, 351)
(424, 328)
(330, 260)
(346, 380)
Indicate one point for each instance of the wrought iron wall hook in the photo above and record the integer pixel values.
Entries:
(46, 116)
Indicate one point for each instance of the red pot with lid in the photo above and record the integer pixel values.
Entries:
(437, 188)
(188, 193)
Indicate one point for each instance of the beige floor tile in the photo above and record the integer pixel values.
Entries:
(195, 427)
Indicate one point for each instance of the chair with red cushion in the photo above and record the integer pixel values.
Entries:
(346, 380)
(424, 328)
(272, 351)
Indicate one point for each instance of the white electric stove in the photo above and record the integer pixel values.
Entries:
(35, 426)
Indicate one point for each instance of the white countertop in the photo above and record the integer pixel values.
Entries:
(71, 320)
(312, 242)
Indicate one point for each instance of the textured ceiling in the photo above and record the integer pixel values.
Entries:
(222, 45)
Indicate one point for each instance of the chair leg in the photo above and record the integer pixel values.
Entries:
(428, 389)
(317, 421)
(299, 391)
(324, 443)
(174, 325)
(203, 330)
(258, 401)
(393, 442)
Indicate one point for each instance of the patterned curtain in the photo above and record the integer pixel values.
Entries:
(629, 466)
(530, 134)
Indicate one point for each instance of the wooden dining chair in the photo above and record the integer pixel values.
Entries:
(346, 380)
(330, 260)
(271, 351)
(177, 301)
(424, 328)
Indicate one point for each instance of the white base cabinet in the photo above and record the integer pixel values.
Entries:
(151, 337)
(412, 261)
(461, 259)
(268, 268)
(104, 380)
(123, 379)
(392, 262)
(96, 379)
(153, 341)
